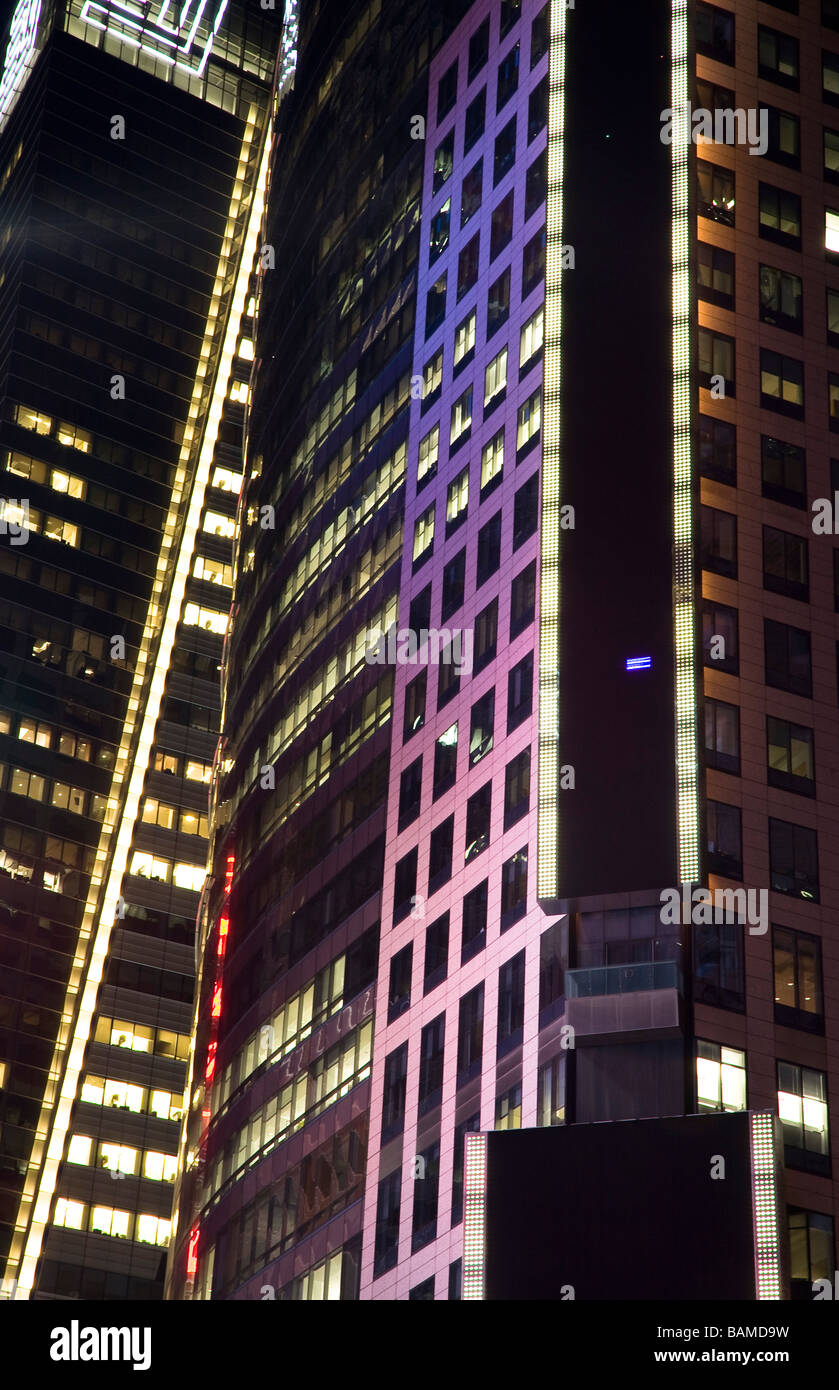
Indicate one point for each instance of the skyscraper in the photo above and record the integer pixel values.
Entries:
(134, 155)
(559, 848)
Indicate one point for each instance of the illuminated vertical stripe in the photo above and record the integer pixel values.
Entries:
(765, 1208)
(474, 1216)
(150, 673)
(549, 533)
(683, 591)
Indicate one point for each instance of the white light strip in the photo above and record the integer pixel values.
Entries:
(474, 1216)
(549, 532)
(684, 622)
(765, 1208)
(164, 608)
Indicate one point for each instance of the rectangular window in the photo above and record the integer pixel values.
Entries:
(780, 299)
(790, 756)
(426, 1193)
(526, 511)
(471, 192)
(436, 951)
(508, 1109)
(508, 78)
(448, 680)
(777, 57)
(780, 216)
(719, 541)
(520, 693)
(788, 665)
(481, 727)
(489, 549)
(785, 565)
(832, 306)
(715, 275)
(797, 964)
(830, 77)
(410, 788)
(718, 970)
(393, 1100)
(415, 693)
(475, 121)
(783, 471)
(528, 422)
(533, 263)
(537, 109)
(833, 400)
(473, 937)
(429, 454)
(478, 809)
(714, 33)
(830, 168)
(781, 383)
(794, 860)
(784, 138)
(550, 1082)
(464, 342)
(536, 185)
(725, 840)
(478, 49)
(505, 152)
(386, 1247)
(404, 885)
(439, 231)
(470, 1035)
(454, 579)
(539, 36)
(802, 1106)
(492, 464)
(716, 361)
(510, 15)
(722, 736)
(467, 266)
(447, 92)
(486, 636)
(470, 1126)
(513, 888)
(811, 1238)
(424, 536)
(445, 761)
(720, 1077)
(718, 450)
(443, 162)
(435, 305)
(510, 1004)
(715, 192)
(441, 845)
(431, 1064)
(461, 418)
(495, 380)
(399, 993)
(531, 340)
(498, 303)
(523, 600)
(517, 788)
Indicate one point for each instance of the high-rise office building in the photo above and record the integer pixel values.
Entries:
(133, 150)
(544, 391)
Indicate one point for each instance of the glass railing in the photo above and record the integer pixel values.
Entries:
(622, 979)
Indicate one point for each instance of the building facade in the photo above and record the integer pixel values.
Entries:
(556, 421)
(134, 158)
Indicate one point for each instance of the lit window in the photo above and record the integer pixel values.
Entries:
(532, 336)
(108, 1222)
(69, 1214)
(160, 1167)
(5, 722)
(158, 813)
(67, 482)
(495, 380)
(165, 1105)
(134, 1036)
(118, 1158)
(831, 230)
(226, 480)
(147, 866)
(57, 529)
(239, 392)
(219, 525)
(424, 533)
(246, 349)
(73, 746)
(166, 762)
(67, 798)
(432, 374)
(153, 1230)
(212, 571)
(251, 309)
(32, 732)
(464, 337)
(93, 1090)
(461, 418)
(120, 1096)
(720, 1077)
(802, 1106)
(457, 498)
(74, 438)
(29, 784)
(429, 451)
(53, 880)
(207, 618)
(492, 459)
(33, 420)
(78, 1150)
(189, 876)
(198, 772)
(192, 823)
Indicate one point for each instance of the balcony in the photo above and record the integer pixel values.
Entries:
(628, 1000)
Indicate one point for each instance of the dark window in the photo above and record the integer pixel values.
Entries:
(785, 568)
(445, 761)
(419, 611)
(711, 97)
(833, 400)
(471, 192)
(473, 937)
(478, 49)
(718, 450)
(550, 1091)
(475, 120)
(454, 579)
(455, 1281)
(410, 787)
(830, 78)
(533, 263)
(448, 680)
(719, 637)
(393, 1102)
(540, 36)
(718, 971)
(780, 299)
(788, 664)
(387, 1223)
(783, 470)
(716, 361)
(489, 549)
(781, 383)
(414, 705)
(486, 636)
(831, 155)
(714, 33)
(431, 1064)
(722, 735)
(505, 152)
(715, 275)
(510, 13)
(777, 57)
(553, 960)
(715, 192)
(802, 1106)
(832, 306)
(797, 963)
(526, 511)
(498, 303)
(513, 888)
(435, 305)
(508, 78)
(794, 860)
(443, 162)
(440, 854)
(481, 728)
(517, 788)
(501, 229)
(811, 1239)
(478, 809)
(790, 756)
(470, 1035)
(784, 138)
(830, 13)
(520, 693)
(536, 185)
(510, 1004)
(447, 92)
(467, 266)
(399, 997)
(537, 109)
(780, 216)
(523, 600)
(719, 541)
(424, 1292)
(426, 1192)
(470, 1126)
(436, 953)
(405, 885)
(725, 841)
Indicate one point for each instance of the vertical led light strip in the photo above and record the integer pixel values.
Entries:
(164, 615)
(549, 533)
(687, 769)
(765, 1207)
(474, 1216)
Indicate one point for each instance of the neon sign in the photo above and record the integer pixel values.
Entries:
(182, 36)
(19, 51)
